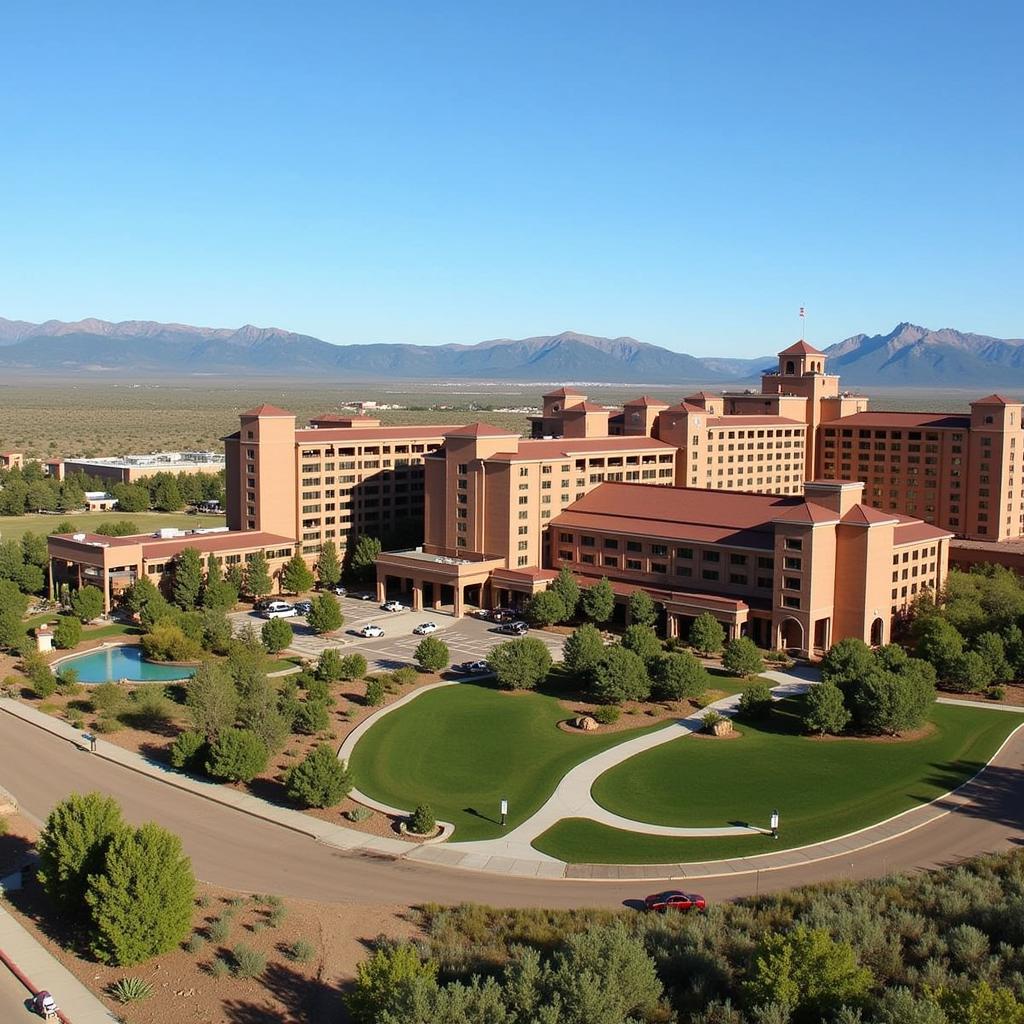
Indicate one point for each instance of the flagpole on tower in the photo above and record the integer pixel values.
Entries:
(803, 318)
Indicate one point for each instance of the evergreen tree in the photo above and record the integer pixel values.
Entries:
(166, 495)
(706, 634)
(678, 676)
(321, 779)
(295, 576)
(742, 658)
(642, 610)
(237, 755)
(566, 587)
(328, 567)
(72, 844)
(257, 575)
(545, 608)
(583, 649)
(431, 654)
(325, 615)
(824, 710)
(619, 676)
(520, 664)
(362, 561)
(235, 575)
(188, 578)
(642, 641)
(276, 635)
(141, 899)
(598, 601)
(212, 699)
(87, 603)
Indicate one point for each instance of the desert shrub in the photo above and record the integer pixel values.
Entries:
(108, 698)
(359, 814)
(131, 990)
(196, 942)
(219, 929)
(301, 951)
(353, 666)
(219, 967)
(996, 692)
(312, 717)
(374, 692)
(249, 963)
(403, 676)
(422, 821)
(189, 751)
(237, 755)
(321, 779)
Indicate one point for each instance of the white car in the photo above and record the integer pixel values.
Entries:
(278, 610)
(425, 627)
(393, 606)
(371, 630)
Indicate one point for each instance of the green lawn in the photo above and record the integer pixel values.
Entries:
(12, 527)
(462, 748)
(821, 788)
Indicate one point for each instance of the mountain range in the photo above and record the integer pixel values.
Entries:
(908, 356)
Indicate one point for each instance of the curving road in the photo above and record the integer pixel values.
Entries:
(231, 849)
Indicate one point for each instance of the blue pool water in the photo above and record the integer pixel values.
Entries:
(114, 663)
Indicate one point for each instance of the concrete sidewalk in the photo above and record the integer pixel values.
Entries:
(43, 970)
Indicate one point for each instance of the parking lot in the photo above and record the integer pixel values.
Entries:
(468, 639)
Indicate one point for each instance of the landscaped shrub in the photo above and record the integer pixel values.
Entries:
(742, 658)
(583, 649)
(996, 693)
(755, 701)
(249, 963)
(330, 665)
(148, 707)
(390, 968)
(706, 634)
(321, 779)
(353, 666)
(619, 676)
(87, 603)
(710, 719)
(431, 654)
(404, 676)
(67, 633)
(237, 755)
(67, 680)
(969, 672)
(131, 990)
(189, 751)
(520, 664)
(40, 675)
(108, 698)
(678, 677)
(607, 714)
(422, 821)
(318, 690)
(168, 642)
(312, 717)
(219, 929)
(301, 951)
(359, 814)
(374, 692)
(824, 710)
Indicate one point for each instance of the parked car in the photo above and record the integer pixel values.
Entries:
(425, 627)
(371, 630)
(514, 628)
(674, 899)
(278, 610)
(261, 603)
(393, 606)
(303, 607)
(339, 590)
(471, 668)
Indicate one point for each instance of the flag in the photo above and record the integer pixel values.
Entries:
(801, 312)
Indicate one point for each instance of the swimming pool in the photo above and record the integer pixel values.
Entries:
(110, 664)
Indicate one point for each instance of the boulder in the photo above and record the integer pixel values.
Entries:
(586, 723)
(722, 728)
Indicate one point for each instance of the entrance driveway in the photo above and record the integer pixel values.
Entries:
(468, 639)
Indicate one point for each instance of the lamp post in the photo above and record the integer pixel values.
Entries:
(504, 812)
(774, 824)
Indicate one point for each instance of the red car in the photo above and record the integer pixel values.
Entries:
(675, 900)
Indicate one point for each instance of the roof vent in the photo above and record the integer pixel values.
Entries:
(78, 536)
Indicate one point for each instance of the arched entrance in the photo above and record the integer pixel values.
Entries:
(791, 635)
(877, 633)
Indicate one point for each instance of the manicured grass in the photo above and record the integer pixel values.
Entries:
(114, 629)
(284, 664)
(12, 527)
(461, 749)
(822, 788)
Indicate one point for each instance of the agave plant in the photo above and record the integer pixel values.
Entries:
(131, 990)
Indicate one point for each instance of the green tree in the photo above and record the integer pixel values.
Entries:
(321, 779)
(847, 661)
(67, 633)
(325, 615)
(217, 632)
(187, 574)
(678, 676)
(377, 978)
(992, 649)
(755, 701)
(598, 601)
(257, 575)
(11, 560)
(970, 672)
(238, 755)
(212, 699)
(742, 658)
(706, 634)
(87, 603)
(353, 666)
(362, 561)
(276, 634)
(806, 970)
(130, 497)
(168, 642)
(189, 751)
(937, 641)
(34, 550)
(12, 629)
(642, 610)
(545, 608)
(295, 576)
(583, 649)
(312, 717)
(142, 897)
(31, 579)
(825, 710)
(422, 821)
(884, 702)
(619, 676)
(981, 1004)
(642, 641)
(234, 575)
(328, 567)
(431, 654)
(520, 664)
(566, 587)
(72, 844)
(166, 495)
(329, 665)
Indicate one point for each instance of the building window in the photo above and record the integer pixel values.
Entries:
(790, 602)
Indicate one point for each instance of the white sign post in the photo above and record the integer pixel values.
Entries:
(504, 812)
(774, 822)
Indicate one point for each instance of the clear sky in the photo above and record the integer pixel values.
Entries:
(688, 174)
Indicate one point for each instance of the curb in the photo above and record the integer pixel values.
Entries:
(23, 978)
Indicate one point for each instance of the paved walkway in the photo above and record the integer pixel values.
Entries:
(44, 971)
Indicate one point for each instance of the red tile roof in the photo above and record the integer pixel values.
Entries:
(267, 410)
(530, 448)
(573, 410)
(563, 393)
(808, 512)
(417, 432)
(865, 515)
(154, 547)
(481, 430)
(801, 348)
(994, 400)
(647, 400)
(902, 420)
(703, 396)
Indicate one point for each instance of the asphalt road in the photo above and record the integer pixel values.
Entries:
(231, 849)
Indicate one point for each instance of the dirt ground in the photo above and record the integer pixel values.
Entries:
(185, 988)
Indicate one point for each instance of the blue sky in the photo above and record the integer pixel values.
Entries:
(686, 174)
